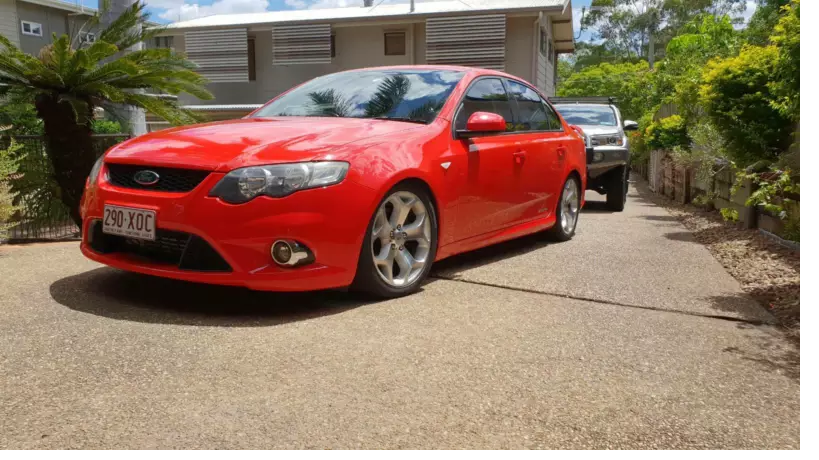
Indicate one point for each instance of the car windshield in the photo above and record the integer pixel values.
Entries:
(587, 115)
(404, 95)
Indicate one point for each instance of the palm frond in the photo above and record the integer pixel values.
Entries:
(427, 111)
(166, 109)
(130, 28)
(389, 94)
(330, 104)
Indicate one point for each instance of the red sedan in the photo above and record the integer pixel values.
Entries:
(361, 178)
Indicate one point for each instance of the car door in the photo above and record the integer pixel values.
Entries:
(544, 142)
(488, 195)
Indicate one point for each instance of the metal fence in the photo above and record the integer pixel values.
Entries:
(40, 214)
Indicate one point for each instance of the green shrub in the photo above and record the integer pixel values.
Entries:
(9, 161)
(785, 86)
(736, 93)
(667, 133)
(729, 214)
(106, 127)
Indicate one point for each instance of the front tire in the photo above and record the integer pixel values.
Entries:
(568, 211)
(400, 244)
(617, 189)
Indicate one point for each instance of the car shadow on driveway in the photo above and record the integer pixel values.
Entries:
(450, 267)
(596, 207)
(132, 297)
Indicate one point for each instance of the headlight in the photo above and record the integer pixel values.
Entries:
(242, 185)
(606, 140)
(95, 172)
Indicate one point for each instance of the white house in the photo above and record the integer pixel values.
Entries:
(250, 58)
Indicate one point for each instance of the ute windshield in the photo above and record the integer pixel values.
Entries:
(599, 115)
(404, 95)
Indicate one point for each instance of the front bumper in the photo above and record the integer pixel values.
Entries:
(602, 159)
(330, 221)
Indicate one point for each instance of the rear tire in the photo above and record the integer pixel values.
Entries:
(568, 211)
(617, 189)
(399, 245)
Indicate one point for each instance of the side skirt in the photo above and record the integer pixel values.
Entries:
(497, 236)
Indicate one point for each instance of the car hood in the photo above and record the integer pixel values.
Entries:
(223, 146)
(597, 130)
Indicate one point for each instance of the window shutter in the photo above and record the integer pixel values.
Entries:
(474, 41)
(220, 54)
(301, 44)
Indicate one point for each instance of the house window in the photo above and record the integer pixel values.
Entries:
(544, 39)
(395, 44)
(332, 46)
(251, 59)
(163, 42)
(32, 28)
(551, 53)
(88, 37)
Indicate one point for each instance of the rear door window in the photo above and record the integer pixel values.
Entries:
(534, 114)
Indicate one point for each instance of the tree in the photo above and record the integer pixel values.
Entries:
(67, 81)
(785, 86)
(679, 76)
(762, 23)
(638, 27)
(631, 84)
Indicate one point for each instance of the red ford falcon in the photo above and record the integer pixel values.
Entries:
(361, 178)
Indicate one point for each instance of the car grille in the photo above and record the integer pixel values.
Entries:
(170, 179)
(184, 250)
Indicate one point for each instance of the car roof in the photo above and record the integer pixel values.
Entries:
(572, 104)
(452, 68)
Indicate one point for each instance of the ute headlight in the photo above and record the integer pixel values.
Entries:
(95, 171)
(605, 140)
(242, 185)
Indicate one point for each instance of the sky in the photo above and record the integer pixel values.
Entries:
(165, 11)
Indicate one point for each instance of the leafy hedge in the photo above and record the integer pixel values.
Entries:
(737, 95)
(667, 133)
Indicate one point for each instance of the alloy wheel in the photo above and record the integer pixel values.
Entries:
(400, 239)
(570, 206)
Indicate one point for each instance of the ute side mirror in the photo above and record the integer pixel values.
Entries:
(629, 125)
(480, 123)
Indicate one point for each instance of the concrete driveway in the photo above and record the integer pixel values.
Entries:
(629, 336)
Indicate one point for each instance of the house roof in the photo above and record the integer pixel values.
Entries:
(74, 7)
(378, 12)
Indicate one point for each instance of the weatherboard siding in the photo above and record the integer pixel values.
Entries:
(9, 24)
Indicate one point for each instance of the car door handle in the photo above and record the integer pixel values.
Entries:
(519, 156)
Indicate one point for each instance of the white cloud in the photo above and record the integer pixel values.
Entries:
(181, 10)
(298, 4)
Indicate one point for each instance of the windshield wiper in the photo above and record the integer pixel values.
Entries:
(407, 119)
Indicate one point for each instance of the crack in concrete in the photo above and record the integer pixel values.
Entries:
(606, 302)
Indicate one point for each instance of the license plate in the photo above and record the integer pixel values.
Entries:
(131, 222)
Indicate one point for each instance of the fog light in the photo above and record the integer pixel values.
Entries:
(598, 156)
(290, 253)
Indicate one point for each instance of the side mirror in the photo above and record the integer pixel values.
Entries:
(483, 123)
(629, 125)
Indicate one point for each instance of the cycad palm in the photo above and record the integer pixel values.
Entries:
(65, 84)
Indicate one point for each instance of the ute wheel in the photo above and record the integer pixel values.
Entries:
(617, 189)
(568, 210)
(400, 244)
